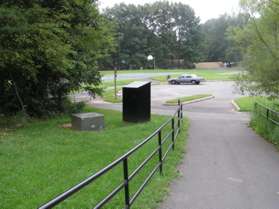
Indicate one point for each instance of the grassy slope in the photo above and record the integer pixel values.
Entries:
(187, 99)
(263, 127)
(108, 94)
(247, 103)
(42, 159)
(266, 129)
(107, 84)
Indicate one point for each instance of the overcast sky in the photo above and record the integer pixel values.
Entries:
(205, 9)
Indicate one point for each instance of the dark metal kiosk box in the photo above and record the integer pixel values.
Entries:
(137, 102)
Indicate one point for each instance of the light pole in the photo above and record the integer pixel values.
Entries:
(115, 80)
(150, 58)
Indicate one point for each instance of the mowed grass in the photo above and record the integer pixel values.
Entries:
(187, 99)
(109, 92)
(208, 74)
(109, 95)
(42, 159)
(107, 84)
(259, 123)
(247, 103)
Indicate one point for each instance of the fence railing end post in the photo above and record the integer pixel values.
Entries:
(160, 152)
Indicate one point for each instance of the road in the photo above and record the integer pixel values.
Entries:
(227, 166)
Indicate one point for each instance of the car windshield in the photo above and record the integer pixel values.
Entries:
(189, 76)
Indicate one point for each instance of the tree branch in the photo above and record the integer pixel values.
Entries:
(18, 96)
(263, 40)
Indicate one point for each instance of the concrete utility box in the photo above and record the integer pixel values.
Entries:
(137, 102)
(88, 121)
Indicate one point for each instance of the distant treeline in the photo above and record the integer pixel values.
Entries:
(170, 32)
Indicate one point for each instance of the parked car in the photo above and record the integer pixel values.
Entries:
(185, 79)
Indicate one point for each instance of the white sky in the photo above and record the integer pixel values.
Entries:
(205, 9)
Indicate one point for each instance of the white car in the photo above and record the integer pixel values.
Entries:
(187, 78)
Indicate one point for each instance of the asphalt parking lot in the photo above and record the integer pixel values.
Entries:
(224, 90)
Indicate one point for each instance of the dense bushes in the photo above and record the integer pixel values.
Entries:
(258, 41)
(47, 49)
(265, 127)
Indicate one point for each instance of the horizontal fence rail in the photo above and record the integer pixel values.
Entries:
(175, 123)
(268, 113)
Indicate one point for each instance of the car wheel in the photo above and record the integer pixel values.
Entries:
(193, 82)
(173, 82)
(197, 82)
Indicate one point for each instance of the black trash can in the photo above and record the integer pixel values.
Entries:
(137, 102)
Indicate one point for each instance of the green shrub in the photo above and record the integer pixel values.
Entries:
(73, 107)
(48, 49)
(14, 121)
(266, 128)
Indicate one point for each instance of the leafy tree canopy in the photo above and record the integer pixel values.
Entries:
(217, 44)
(168, 31)
(47, 49)
(259, 42)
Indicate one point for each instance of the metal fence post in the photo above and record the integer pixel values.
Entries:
(267, 114)
(126, 183)
(179, 115)
(256, 108)
(160, 152)
(173, 132)
(178, 120)
(181, 111)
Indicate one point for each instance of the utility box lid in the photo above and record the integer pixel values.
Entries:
(87, 115)
(137, 84)
(88, 121)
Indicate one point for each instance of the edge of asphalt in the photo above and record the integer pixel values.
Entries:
(236, 106)
(192, 101)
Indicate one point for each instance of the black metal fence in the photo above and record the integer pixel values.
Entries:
(174, 122)
(268, 113)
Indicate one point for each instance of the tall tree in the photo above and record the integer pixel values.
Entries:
(48, 48)
(134, 38)
(217, 44)
(177, 29)
(168, 31)
(260, 45)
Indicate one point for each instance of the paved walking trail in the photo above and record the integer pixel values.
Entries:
(227, 166)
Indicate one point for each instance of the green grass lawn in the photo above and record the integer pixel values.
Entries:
(107, 84)
(187, 98)
(247, 103)
(260, 124)
(42, 159)
(208, 74)
(109, 96)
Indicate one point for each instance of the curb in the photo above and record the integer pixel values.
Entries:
(192, 101)
(236, 107)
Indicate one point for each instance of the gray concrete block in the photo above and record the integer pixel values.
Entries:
(88, 121)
